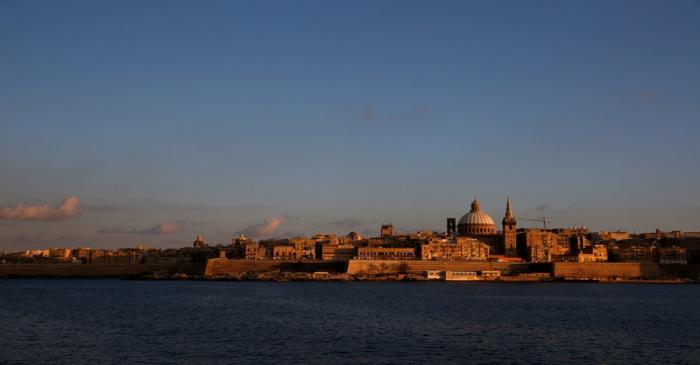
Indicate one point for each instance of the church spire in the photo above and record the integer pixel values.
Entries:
(509, 209)
(509, 232)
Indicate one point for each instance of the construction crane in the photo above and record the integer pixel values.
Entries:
(543, 220)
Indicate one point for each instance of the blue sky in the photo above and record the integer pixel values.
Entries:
(211, 117)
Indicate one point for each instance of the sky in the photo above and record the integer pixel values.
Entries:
(149, 122)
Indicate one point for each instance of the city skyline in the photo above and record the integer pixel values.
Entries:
(269, 228)
(146, 123)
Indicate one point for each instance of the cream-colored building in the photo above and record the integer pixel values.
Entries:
(386, 253)
(596, 253)
(255, 251)
(338, 252)
(283, 253)
(454, 249)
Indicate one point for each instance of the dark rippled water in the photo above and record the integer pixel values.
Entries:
(126, 322)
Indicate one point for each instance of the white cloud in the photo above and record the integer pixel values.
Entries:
(69, 208)
(265, 229)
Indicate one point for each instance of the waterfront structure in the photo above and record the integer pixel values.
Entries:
(461, 276)
(433, 274)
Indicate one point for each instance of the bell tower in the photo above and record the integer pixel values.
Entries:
(509, 235)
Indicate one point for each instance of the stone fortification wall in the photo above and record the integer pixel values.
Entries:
(95, 270)
(606, 270)
(217, 267)
(690, 271)
(421, 266)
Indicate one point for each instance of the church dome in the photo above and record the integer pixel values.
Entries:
(476, 222)
(476, 218)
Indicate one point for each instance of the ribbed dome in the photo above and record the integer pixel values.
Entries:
(476, 222)
(477, 217)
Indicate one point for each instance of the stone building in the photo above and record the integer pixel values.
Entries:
(60, 253)
(633, 253)
(387, 230)
(386, 253)
(283, 252)
(354, 236)
(328, 238)
(574, 240)
(304, 248)
(595, 253)
(338, 252)
(537, 245)
(238, 245)
(297, 248)
(454, 249)
(255, 251)
(673, 255)
(612, 236)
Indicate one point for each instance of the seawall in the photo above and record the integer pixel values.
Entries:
(96, 270)
(217, 267)
(606, 270)
(420, 266)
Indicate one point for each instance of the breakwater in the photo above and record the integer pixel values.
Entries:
(97, 270)
(625, 270)
(217, 267)
(606, 270)
(352, 270)
(420, 267)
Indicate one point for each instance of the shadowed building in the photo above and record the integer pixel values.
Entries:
(199, 242)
